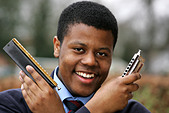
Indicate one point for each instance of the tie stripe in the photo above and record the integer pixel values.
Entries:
(70, 111)
(73, 105)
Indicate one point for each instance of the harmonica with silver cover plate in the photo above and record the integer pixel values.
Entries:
(135, 64)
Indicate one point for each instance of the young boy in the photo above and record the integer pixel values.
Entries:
(86, 37)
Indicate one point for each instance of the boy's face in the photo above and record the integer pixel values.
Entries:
(85, 58)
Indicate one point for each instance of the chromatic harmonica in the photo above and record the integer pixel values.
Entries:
(135, 64)
(23, 58)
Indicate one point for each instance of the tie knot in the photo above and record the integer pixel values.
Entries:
(73, 105)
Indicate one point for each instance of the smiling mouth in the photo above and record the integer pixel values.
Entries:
(85, 75)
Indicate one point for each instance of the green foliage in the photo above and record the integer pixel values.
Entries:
(34, 23)
(154, 99)
(41, 45)
(9, 15)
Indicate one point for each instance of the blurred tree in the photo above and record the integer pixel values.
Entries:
(149, 33)
(9, 16)
(132, 36)
(41, 38)
(35, 23)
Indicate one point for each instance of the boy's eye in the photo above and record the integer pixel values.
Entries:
(101, 54)
(79, 49)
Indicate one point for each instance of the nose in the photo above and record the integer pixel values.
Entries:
(89, 59)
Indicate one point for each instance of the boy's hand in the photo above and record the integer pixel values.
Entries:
(114, 95)
(40, 97)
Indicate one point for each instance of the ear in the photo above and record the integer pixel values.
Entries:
(56, 44)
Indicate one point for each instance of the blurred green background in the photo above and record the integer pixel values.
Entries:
(143, 24)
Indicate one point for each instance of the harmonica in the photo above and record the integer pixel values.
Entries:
(135, 64)
(23, 58)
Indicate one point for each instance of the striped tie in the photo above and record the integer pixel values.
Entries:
(73, 105)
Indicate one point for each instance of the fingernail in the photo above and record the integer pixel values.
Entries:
(22, 74)
(140, 76)
(21, 79)
(29, 69)
(22, 87)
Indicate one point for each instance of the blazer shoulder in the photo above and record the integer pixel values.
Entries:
(12, 101)
(134, 106)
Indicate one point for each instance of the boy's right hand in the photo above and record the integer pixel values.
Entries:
(40, 97)
(114, 95)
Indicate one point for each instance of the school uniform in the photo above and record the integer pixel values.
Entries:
(12, 100)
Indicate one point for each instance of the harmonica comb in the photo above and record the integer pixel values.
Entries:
(135, 64)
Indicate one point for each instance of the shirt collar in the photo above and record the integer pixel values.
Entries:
(64, 93)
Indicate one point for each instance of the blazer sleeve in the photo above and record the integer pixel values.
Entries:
(83, 109)
(12, 101)
(132, 107)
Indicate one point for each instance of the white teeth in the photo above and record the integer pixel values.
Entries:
(85, 75)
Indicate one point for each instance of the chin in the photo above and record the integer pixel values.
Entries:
(82, 93)
(86, 95)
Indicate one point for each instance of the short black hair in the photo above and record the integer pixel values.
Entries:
(89, 13)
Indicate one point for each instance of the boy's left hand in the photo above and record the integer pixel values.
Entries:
(40, 97)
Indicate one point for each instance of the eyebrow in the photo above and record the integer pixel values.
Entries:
(78, 43)
(82, 44)
(105, 48)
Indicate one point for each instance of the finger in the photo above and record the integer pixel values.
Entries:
(25, 79)
(130, 95)
(29, 86)
(28, 92)
(26, 96)
(132, 87)
(131, 78)
(20, 77)
(39, 80)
